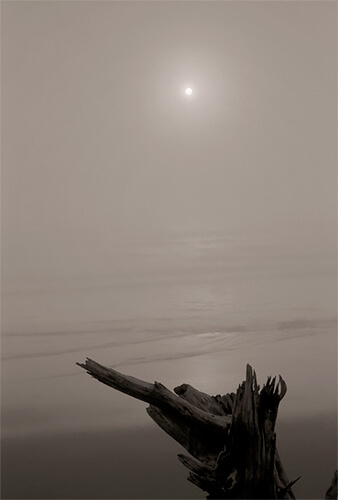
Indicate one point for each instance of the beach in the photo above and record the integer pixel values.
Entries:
(192, 310)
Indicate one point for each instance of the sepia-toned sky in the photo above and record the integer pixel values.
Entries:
(100, 141)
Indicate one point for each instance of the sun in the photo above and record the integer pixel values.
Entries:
(188, 91)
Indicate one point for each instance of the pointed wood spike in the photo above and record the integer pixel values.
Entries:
(283, 388)
(157, 395)
(270, 386)
(249, 374)
(285, 490)
(255, 382)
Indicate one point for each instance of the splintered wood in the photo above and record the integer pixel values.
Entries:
(230, 439)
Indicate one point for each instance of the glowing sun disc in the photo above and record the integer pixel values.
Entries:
(188, 91)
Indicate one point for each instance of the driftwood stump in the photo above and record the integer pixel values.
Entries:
(231, 439)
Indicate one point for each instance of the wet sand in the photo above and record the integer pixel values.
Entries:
(142, 463)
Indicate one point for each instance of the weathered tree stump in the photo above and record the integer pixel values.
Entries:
(231, 439)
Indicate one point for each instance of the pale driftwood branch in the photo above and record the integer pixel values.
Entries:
(231, 438)
(158, 395)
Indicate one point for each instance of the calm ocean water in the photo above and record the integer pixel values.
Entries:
(176, 309)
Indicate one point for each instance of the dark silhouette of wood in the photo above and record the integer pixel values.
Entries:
(332, 491)
(231, 439)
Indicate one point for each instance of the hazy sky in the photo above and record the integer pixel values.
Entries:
(100, 141)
